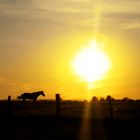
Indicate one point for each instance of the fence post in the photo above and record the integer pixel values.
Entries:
(110, 110)
(58, 100)
(109, 99)
(9, 105)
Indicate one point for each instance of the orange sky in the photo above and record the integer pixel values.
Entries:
(39, 39)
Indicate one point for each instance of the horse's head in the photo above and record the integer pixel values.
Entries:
(42, 93)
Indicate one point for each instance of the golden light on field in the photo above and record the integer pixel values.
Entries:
(91, 63)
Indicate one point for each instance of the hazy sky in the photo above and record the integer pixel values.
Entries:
(38, 38)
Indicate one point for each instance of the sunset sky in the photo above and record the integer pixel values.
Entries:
(39, 40)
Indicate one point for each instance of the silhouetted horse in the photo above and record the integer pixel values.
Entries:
(31, 96)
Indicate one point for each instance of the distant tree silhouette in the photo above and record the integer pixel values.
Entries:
(102, 100)
(94, 99)
(109, 100)
(126, 100)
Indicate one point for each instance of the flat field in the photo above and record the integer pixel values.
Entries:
(78, 120)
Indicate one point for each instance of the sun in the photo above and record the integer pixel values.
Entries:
(91, 63)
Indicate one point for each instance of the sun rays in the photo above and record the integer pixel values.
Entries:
(91, 63)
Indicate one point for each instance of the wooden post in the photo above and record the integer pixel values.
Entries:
(9, 105)
(58, 99)
(110, 110)
(109, 99)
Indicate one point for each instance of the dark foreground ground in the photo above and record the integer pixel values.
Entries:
(39, 122)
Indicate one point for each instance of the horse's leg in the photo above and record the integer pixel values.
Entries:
(24, 100)
(34, 100)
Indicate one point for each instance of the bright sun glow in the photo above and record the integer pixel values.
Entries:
(91, 63)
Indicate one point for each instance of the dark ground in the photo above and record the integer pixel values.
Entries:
(38, 121)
